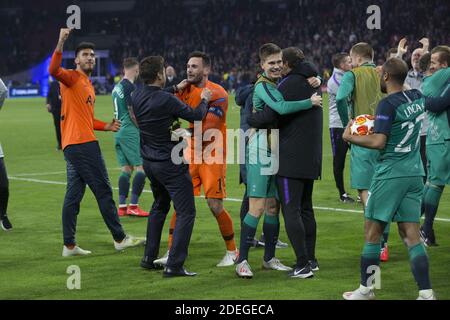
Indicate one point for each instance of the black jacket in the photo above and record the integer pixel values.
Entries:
(300, 147)
(155, 111)
(244, 99)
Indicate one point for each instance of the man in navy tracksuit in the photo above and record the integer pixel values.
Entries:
(155, 111)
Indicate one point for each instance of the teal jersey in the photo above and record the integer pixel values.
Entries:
(121, 96)
(399, 116)
(266, 93)
(433, 86)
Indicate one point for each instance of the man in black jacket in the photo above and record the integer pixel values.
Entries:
(54, 107)
(300, 157)
(155, 111)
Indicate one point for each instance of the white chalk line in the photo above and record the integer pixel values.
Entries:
(226, 199)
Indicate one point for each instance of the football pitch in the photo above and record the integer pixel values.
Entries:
(31, 265)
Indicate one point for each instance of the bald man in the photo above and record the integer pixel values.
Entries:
(171, 77)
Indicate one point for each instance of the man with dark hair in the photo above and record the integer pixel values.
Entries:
(300, 158)
(54, 107)
(438, 141)
(127, 142)
(4, 182)
(341, 63)
(155, 111)
(397, 184)
(210, 169)
(85, 164)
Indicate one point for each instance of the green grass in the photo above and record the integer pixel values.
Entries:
(30, 255)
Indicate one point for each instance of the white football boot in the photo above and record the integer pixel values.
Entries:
(362, 293)
(243, 270)
(163, 260)
(229, 259)
(128, 242)
(426, 295)
(76, 251)
(275, 264)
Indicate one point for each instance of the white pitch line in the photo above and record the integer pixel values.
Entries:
(226, 199)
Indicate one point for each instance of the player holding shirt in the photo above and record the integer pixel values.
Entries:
(85, 164)
(127, 142)
(397, 185)
(209, 173)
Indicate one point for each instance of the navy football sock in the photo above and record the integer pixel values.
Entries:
(271, 229)
(124, 187)
(248, 230)
(419, 266)
(138, 187)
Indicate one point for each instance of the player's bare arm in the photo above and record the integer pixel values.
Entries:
(63, 35)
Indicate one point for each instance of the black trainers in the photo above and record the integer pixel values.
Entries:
(428, 240)
(302, 273)
(314, 265)
(345, 198)
(6, 224)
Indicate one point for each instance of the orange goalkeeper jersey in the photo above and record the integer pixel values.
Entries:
(78, 98)
(216, 116)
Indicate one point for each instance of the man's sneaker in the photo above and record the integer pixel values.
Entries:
(426, 295)
(314, 265)
(302, 273)
(345, 198)
(243, 270)
(362, 293)
(275, 264)
(128, 242)
(229, 259)
(428, 240)
(6, 224)
(76, 251)
(136, 211)
(384, 253)
(163, 260)
(122, 211)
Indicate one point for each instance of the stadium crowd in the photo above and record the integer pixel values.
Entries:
(230, 31)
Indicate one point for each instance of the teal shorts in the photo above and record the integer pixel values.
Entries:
(128, 150)
(438, 165)
(258, 185)
(261, 168)
(362, 166)
(397, 199)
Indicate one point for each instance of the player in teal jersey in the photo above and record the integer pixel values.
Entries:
(437, 143)
(261, 166)
(127, 142)
(396, 188)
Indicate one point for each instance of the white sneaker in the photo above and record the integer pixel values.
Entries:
(127, 242)
(163, 260)
(229, 259)
(275, 264)
(362, 293)
(426, 295)
(76, 251)
(243, 270)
